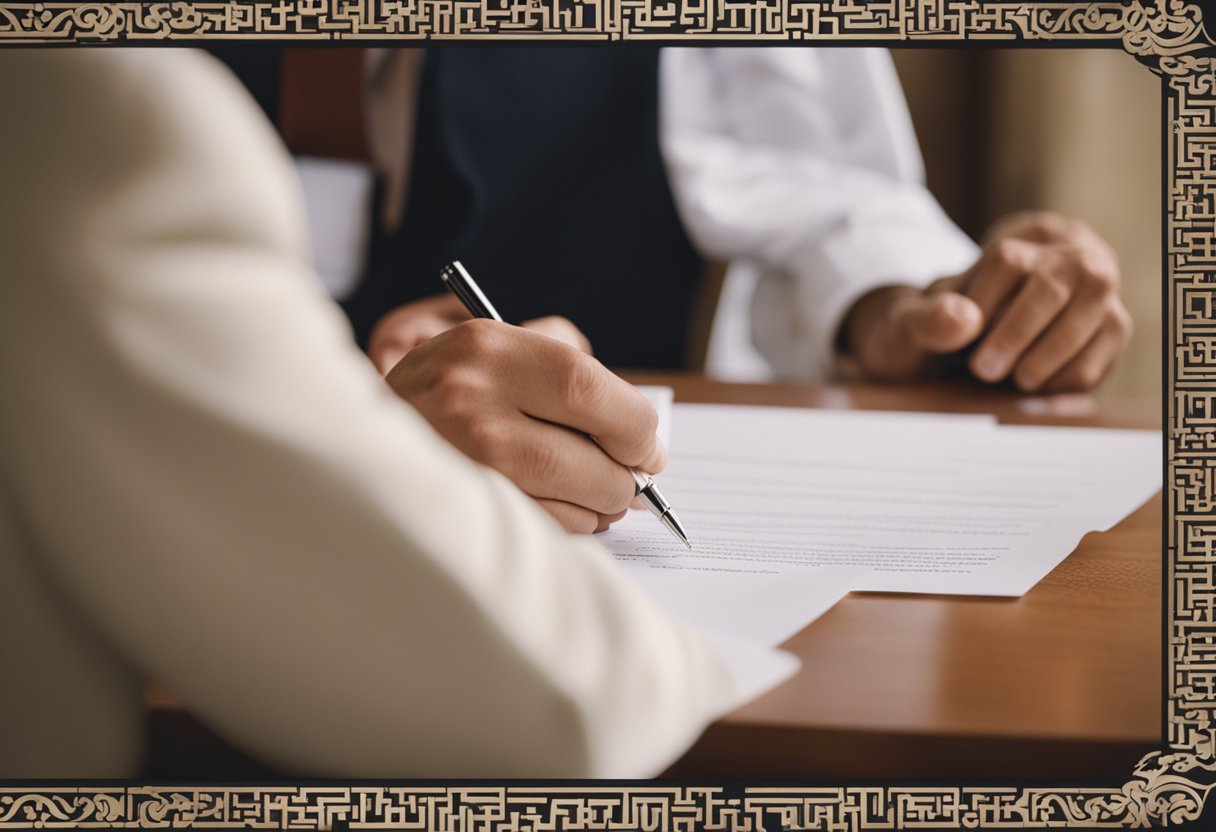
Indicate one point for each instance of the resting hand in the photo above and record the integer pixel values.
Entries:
(520, 402)
(1041, 306)
(407, 326)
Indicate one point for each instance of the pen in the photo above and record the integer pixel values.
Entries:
(458, 279)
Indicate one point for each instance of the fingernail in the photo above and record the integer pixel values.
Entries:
(990, 365)
(954, 306)
(1026, 381)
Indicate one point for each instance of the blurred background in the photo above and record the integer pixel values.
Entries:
(1075, 131)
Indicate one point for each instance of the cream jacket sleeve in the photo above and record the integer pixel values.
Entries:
(206, 484)
(802, 163)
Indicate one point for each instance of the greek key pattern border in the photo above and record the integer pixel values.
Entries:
(1168, 787)
(547, 809)
(1158, 27)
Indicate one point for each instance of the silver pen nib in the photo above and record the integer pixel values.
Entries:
(669, 519)
(658, 505)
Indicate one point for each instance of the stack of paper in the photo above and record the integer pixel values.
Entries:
(788, 510)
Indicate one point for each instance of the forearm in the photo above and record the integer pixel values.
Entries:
(821, 190)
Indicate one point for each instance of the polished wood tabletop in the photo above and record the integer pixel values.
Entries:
(1062, 683)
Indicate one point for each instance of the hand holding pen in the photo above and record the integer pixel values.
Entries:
(521, 402)
(464, 287)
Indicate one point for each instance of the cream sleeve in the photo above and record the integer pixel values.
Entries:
(216, 481)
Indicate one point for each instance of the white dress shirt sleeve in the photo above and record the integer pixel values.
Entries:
(212, 481)
(803, 163)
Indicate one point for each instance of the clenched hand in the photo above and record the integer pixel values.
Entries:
(1040, 306)
(520, 402)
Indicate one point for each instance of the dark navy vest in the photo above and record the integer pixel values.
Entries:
(539, 169)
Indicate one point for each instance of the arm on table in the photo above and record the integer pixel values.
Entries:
(804, 162)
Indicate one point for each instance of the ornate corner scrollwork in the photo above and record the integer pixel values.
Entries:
(62, 808)
(1164, 28)
(1168, 36)
(1170, 788)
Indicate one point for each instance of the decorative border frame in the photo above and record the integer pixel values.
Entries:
(1167, 787)
(1150, 29)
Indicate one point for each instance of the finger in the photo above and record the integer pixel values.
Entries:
(573, 518)
(548, 461)
(407, 326)
(1090, 366)
(555, 326)
(1031, 311)
(951, 283)
(385, 349)
(943, 322)
(607, 520)
(562, 385)
(1064, 339)
(1038, 226)
(386, 356)
(657, 461)
(553, 382)
(447, 305)
(1000, 270)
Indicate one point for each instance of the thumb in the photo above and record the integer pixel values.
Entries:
(942, 322)
(656, 460)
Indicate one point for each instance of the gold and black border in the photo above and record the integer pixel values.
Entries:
(1167, 787)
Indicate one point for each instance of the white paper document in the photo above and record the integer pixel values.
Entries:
(759, 606)
(661, 399)
(893, 502)
(753, 668)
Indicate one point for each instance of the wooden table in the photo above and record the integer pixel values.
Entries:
(1062, 683)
